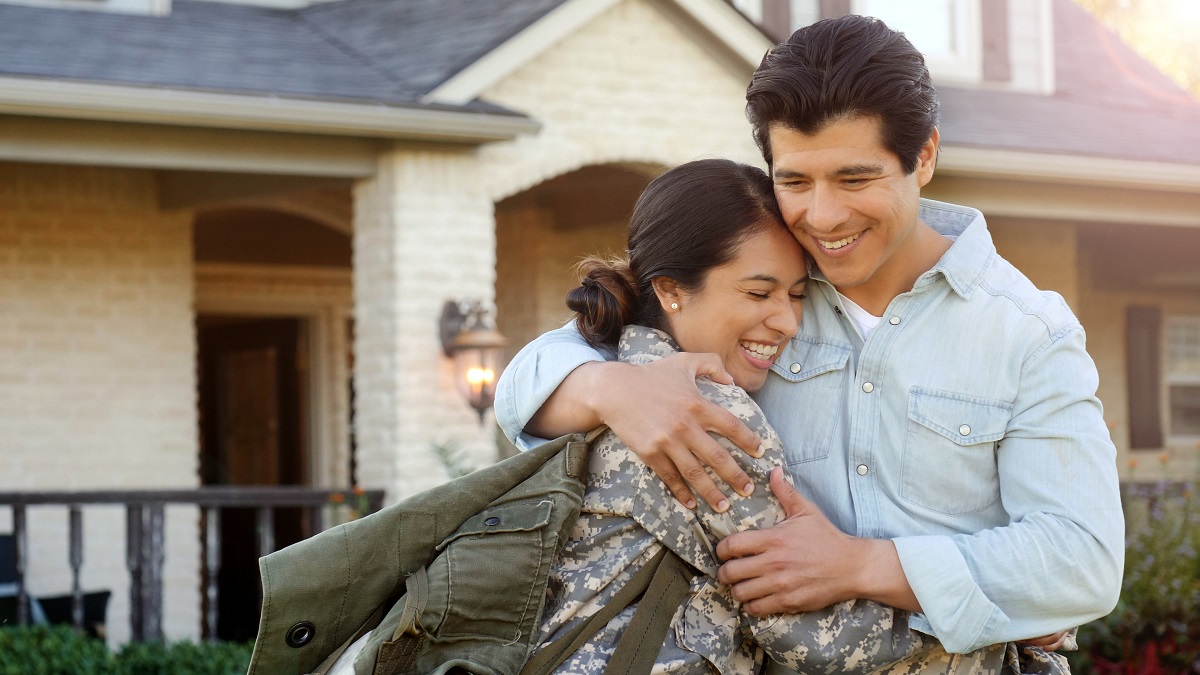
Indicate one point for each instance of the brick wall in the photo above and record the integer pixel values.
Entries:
(97, 382)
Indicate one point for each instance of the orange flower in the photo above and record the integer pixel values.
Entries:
(1164, 457)
(337, 498)
(1133, 462)
(358, 490)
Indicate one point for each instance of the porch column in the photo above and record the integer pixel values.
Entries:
(424, 233)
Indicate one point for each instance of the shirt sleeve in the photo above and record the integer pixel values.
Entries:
(1059, 561)
(533, 375)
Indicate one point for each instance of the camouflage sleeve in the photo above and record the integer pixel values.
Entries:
(856, 636)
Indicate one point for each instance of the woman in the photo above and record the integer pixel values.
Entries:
(711, 268)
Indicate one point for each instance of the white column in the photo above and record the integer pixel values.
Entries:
(424, 233)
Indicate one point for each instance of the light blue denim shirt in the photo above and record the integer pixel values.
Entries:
(966, 429)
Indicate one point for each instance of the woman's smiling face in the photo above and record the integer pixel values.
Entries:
(746, 309)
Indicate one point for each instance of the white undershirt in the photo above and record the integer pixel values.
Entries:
(864, 321)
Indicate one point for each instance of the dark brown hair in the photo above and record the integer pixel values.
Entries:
(686, 222)
(843, 68)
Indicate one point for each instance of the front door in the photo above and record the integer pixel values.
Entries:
(252, 383)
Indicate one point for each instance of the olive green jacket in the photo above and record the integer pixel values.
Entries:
(501, 526)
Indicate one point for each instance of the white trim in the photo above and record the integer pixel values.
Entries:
(144, 146)
(731, 27)
(720, 19)
(470, 82)
(80, 100)
(1077, 169)
(1046, 58)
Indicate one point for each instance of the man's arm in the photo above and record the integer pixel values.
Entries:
(1057, 564)
(559, 384)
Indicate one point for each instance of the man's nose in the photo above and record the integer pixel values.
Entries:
(826, 210)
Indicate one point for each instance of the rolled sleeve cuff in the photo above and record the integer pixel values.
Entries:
(532, 378)
(954, 608)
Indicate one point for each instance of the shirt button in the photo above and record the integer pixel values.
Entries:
(795, 368)
(868, 387)
(862, 469)
(965, 430)
(895, 321)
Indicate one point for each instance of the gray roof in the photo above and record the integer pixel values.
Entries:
(1109, 102)
(380, 51)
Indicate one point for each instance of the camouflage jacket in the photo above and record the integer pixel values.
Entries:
(628, 515)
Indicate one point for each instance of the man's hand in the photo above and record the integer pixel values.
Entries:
(805, 563)
(659, 413)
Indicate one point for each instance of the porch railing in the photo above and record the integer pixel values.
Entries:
(144, 554)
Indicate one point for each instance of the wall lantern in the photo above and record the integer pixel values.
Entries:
(477, 349)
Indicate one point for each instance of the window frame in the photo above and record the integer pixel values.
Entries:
(966, 63)
(1172, 377)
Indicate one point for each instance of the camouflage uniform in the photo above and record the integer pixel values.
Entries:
(628, 515)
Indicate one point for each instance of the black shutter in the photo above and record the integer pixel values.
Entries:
(1143, 364)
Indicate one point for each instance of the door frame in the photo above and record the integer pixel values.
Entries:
(323, 299)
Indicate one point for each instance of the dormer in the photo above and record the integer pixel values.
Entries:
(992, 44)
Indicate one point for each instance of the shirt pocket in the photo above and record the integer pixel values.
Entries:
(488, 578)
(807, 417)
(949, 463)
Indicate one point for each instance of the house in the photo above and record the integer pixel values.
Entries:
(228, 229)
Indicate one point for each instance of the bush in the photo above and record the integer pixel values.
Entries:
(59, 650)
(1153, 628)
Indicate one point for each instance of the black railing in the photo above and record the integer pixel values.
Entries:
(144, 554)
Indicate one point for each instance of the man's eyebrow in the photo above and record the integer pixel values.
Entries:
(787, 173)
(859, 170)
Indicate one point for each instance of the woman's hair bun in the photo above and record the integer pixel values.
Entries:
(604, 301)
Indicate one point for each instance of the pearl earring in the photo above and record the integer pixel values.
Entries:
(674, 305)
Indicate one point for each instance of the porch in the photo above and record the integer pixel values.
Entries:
(264, 508)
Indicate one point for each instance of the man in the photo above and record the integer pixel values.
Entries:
(938, 410)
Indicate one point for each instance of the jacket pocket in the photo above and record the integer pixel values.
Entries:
(487, 578)
(808, 418)
(949, 463)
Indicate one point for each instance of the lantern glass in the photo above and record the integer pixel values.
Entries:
(478, 360)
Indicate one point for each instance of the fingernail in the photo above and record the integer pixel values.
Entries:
(759, 451)
(691, 503)
(747, 489)
(722, 506)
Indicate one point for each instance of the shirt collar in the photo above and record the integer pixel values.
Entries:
(966, 261)
(642, 345)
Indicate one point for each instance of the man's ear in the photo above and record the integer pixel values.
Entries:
(927, 159)
(668, 294)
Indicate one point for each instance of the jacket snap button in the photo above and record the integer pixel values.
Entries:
(492, 521)
(795, 368)
(301, 634)
(965, 430)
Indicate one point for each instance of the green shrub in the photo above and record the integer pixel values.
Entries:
(59, 650)
(182, 658)
(1153, 628)
(51, 650)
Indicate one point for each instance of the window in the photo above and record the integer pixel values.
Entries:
(1182, 370)
(948, 32)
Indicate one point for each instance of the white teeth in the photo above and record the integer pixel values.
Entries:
(760, 349)
(834, 245)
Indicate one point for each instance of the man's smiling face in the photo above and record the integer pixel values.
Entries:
(849, 203)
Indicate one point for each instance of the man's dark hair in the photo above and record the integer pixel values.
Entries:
(843, 68)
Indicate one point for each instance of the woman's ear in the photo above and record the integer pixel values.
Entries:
(668, 293)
